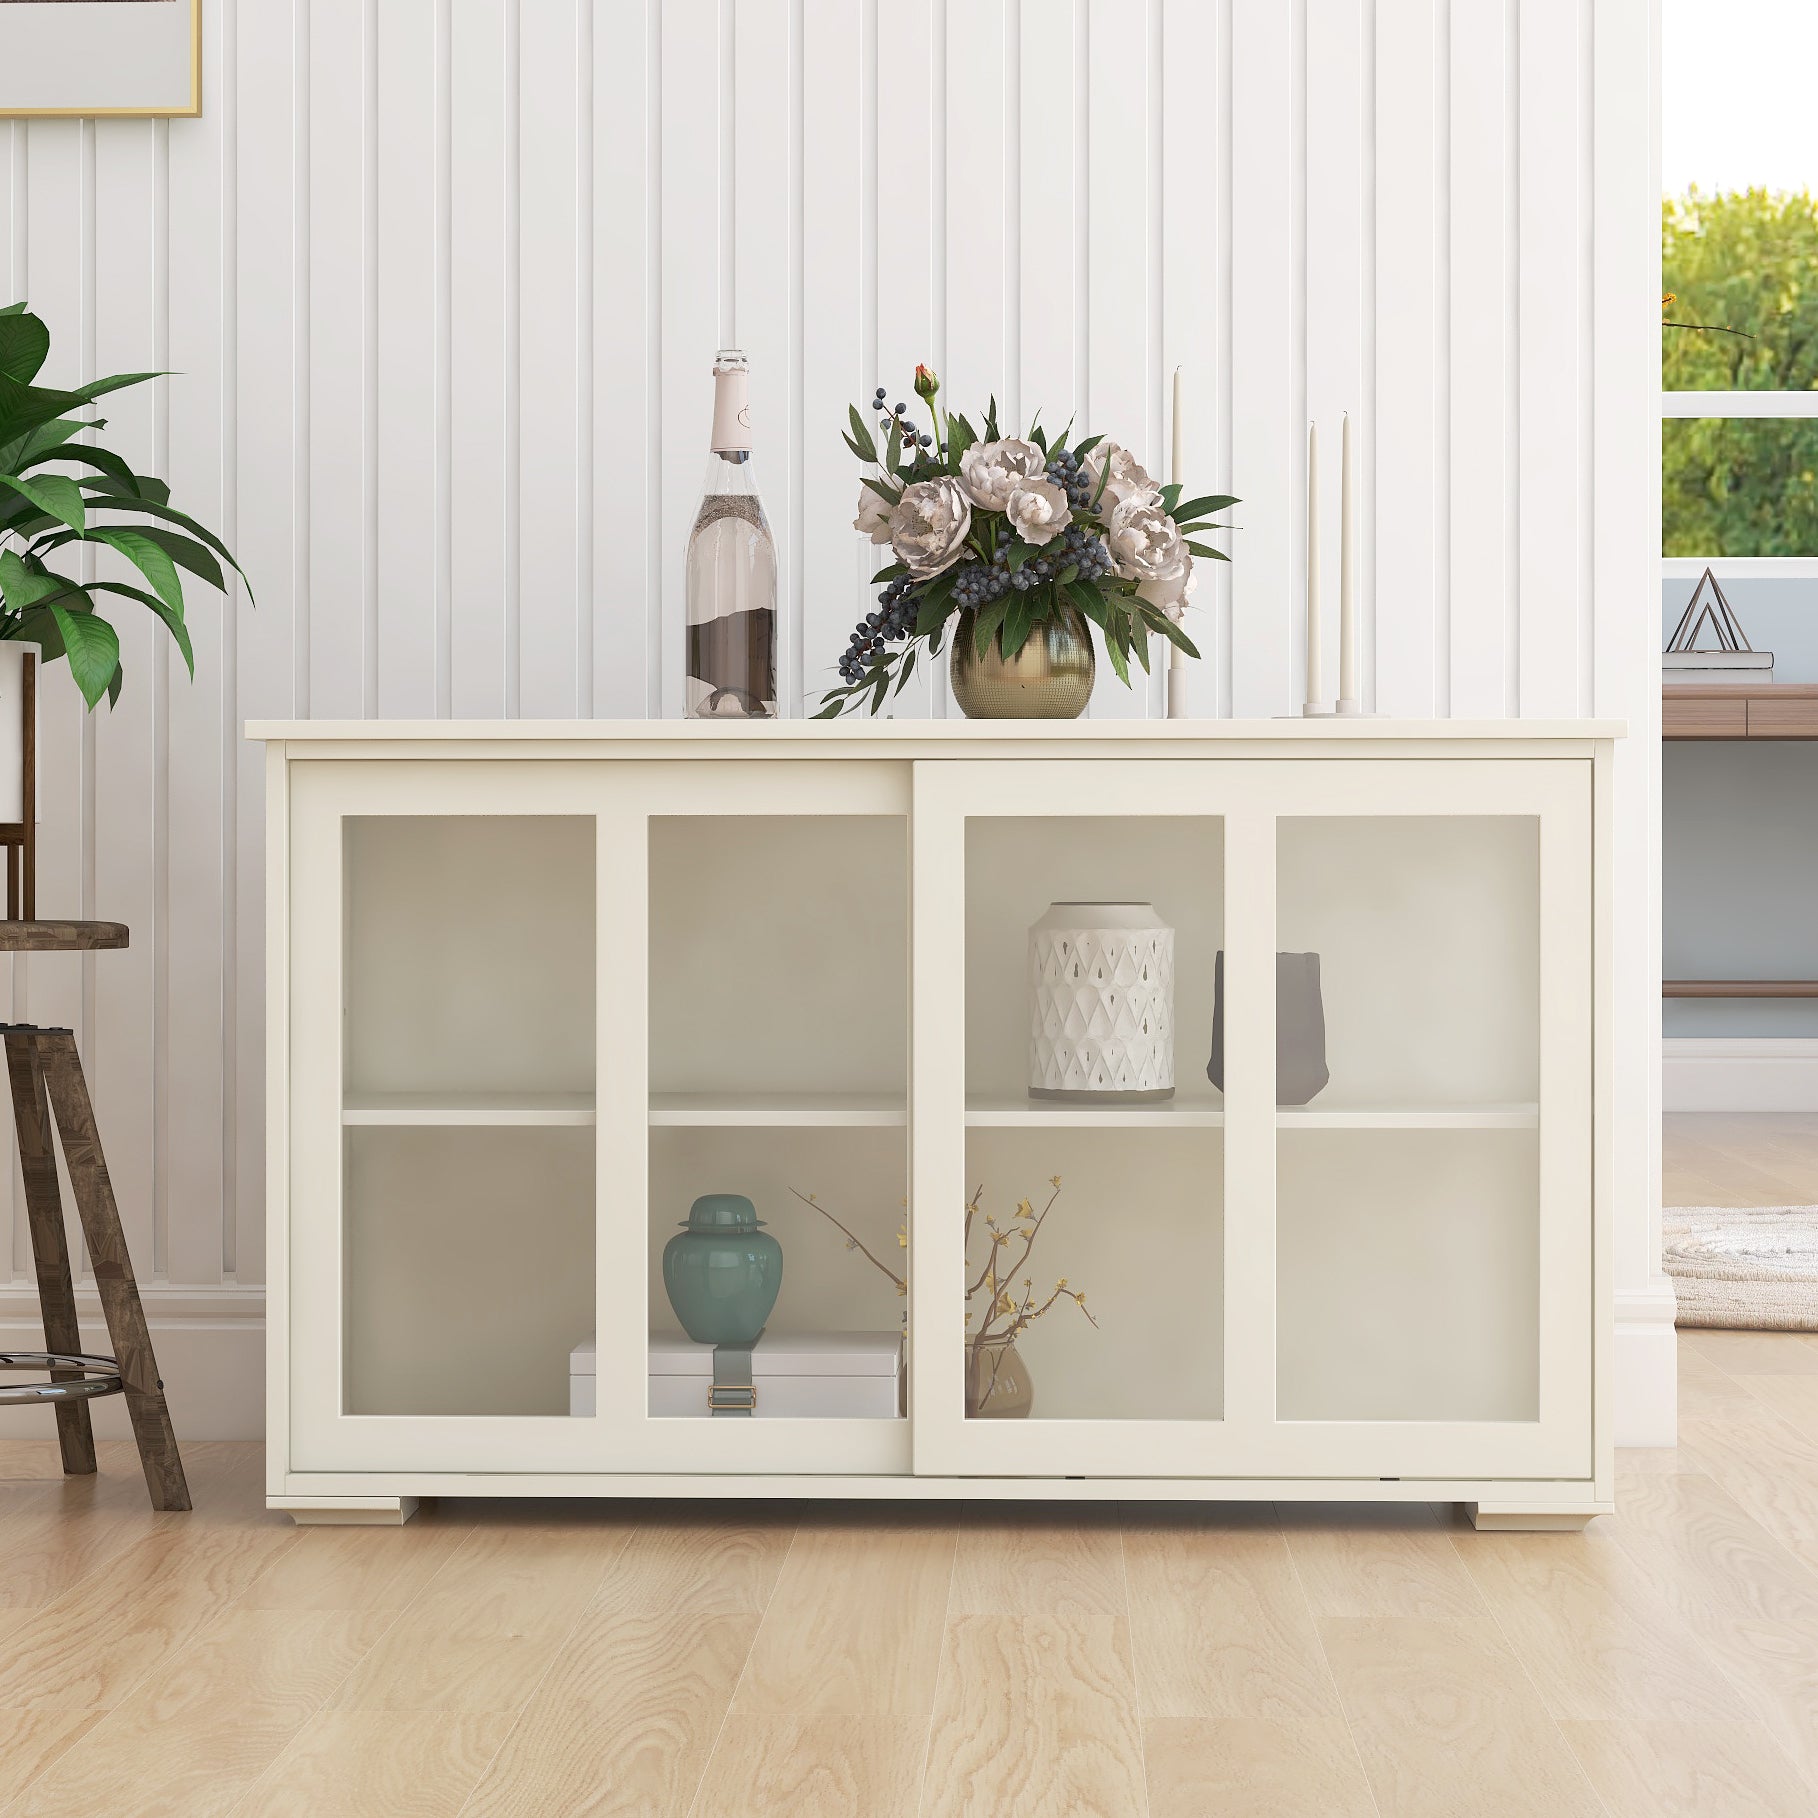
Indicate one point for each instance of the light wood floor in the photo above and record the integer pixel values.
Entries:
(735, 1662)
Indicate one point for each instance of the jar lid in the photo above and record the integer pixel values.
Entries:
(723, 1212)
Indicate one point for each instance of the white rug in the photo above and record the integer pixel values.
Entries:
(1755, 1267)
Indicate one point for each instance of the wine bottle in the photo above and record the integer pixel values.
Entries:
(731, 666)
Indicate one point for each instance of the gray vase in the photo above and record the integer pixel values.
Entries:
(1300, 1029)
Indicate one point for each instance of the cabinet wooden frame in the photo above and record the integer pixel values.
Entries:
(622, 778)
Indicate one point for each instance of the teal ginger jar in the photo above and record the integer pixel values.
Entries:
(722, 1271)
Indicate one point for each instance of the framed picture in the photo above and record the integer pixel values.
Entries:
(100, 57)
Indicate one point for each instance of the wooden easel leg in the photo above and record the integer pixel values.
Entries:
(113, 1268)
(50, 1243)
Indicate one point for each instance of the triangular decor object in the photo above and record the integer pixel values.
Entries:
(1714, 611)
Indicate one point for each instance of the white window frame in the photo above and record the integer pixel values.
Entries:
(1741, 404)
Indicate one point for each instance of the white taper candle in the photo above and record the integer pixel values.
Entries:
(1177, 671)
(1348, 701)
(1314, 702)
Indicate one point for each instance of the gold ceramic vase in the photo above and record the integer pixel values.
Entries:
(1050, 678)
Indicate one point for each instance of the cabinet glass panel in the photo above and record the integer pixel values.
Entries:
(779, 1014)
(1408, 1205)
(468, 1112)
(1095, 1147)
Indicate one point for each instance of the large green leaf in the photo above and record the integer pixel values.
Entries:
(187, 553)
(24, 344)
(24, 407)
(22, 451)
(150, 560)
(22, 586)
(173, 623)
(143, 487)
(52, 493)
(39, 626)
(93, 650)
(168, 514)
(103, 460)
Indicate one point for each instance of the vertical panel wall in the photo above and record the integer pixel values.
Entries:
(442, 281)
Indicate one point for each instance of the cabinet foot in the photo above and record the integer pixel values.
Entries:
(346, 1511)
(1513, 1518)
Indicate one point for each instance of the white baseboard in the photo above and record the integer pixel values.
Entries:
(211, 1354)
(1646, 1367)
(1739, 1073)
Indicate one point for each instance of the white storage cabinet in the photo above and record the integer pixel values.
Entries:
(534, 988)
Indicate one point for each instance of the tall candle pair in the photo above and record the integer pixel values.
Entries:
(1348, 702)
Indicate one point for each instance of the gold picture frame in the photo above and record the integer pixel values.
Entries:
(188, 108)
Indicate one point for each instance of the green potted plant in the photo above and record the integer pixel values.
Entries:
(62, 497)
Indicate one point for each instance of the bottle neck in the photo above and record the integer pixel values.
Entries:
(729, 472)
(732, 413)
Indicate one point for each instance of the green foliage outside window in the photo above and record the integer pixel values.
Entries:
(1746, 261)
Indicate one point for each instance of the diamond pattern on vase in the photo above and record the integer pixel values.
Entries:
(1101, 1001)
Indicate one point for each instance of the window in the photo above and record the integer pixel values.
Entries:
(1739, 259)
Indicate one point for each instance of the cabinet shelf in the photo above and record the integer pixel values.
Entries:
(1408, 1117)
(1022, 1113)
(1198, 1114)
(880, 1111)
(498, 1110)
(778, 1111)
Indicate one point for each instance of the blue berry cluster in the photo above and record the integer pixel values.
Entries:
(1086, 550)
(1072, 477)
(893, 621)
(901, 413)
(979, 583)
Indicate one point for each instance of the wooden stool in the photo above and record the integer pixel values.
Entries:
(46, 1076)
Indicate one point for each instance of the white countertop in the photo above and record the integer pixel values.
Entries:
(861, 734)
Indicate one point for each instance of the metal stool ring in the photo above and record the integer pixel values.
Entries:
(101, 1377)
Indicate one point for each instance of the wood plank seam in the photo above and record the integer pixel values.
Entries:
(1325, 1660)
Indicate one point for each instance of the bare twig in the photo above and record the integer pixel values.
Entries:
(850, 1238)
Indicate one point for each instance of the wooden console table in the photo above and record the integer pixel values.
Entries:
(1739, 710)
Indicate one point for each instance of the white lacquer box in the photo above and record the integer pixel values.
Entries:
(808, 1375)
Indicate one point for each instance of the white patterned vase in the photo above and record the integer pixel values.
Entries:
(1101, 1004)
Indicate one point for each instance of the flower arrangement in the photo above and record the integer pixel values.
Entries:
(1009, 532)
(1006, 1308)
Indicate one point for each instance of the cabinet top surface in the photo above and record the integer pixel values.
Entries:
(974, 737)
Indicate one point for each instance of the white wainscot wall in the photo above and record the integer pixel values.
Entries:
(443, 280)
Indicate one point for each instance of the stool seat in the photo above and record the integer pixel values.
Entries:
(101, 1376)
(62, 937)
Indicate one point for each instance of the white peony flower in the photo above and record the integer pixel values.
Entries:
(1146, 546)
(873, 518)
(991, 471)
(1129, 481)
(929, 526)
(1038, 510)
(1172, 590)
